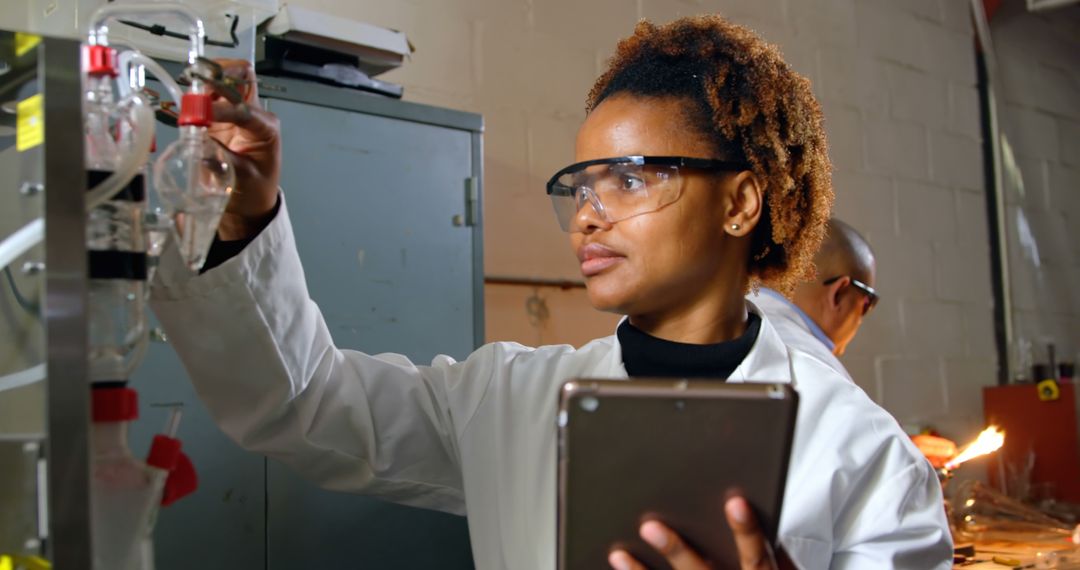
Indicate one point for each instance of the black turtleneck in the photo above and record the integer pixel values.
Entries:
(646, 355)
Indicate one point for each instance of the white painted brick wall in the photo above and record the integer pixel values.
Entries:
(961, 273)
(844, 125)
(936, 327)
(927, 212)
(926, 9)
(1032, 132)
(971, 221)
(825, 22)
(947, 151)
(964, 111)
(978, 319)
(1070, 141)
(896, 81)
(850, 76)
(864, 196)
(913, 388)
(905, 267)
(950, 53)
(897, 149)
(956, 16)
(917, 97)
(888, 32)
(964, 388)
(1063, 177)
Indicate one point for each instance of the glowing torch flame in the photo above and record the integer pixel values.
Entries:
(990, 440)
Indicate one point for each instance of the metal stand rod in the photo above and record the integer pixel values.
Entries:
(64, 310)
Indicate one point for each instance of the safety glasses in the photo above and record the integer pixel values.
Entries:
(625, 186)
(868, 291)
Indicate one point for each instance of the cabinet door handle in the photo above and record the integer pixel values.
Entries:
(472, 201)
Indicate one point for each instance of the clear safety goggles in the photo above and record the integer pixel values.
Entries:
(623, 187)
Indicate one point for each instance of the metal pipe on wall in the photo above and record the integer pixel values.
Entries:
(563, 284)
(995, 200)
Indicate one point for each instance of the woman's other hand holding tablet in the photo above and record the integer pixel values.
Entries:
(754, 550)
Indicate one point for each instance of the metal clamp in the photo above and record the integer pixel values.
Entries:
(211, 73)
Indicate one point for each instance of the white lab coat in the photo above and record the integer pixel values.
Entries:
(794, 331)
(478, 437)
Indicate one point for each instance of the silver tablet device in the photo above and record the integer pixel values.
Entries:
(669, 450)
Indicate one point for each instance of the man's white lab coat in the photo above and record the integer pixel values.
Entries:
(477, 437)
(789, 322)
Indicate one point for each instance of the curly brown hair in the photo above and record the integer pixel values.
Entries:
(753, 107)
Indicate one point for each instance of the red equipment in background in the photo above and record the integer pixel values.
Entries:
(1049, 428)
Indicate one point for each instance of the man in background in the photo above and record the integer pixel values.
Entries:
(824, 314)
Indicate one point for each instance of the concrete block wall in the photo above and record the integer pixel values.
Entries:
(1039, 85)
(897, 83)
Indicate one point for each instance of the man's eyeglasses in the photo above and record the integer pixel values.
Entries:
(625, 186)
(871, 295)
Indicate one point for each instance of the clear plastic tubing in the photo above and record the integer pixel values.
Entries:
(126, 59)
(21, 241)
(144, 117)
(99, 22)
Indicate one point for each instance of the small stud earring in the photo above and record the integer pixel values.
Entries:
(734, 227)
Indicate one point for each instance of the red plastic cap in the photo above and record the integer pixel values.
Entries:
(114, 404)
(100, 60)
(182, 481)
(196, 109)
(164, 452)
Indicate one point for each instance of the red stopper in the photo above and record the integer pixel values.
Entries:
(164, 452)
(114, 404)
(182, 481)
(100, 61)
(196, 109)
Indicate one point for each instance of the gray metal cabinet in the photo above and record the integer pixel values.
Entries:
(384, 198)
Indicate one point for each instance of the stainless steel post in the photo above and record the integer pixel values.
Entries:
(64, 310)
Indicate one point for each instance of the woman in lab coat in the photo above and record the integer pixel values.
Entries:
(702, 169)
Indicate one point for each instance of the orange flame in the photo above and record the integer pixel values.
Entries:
(990, 440)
